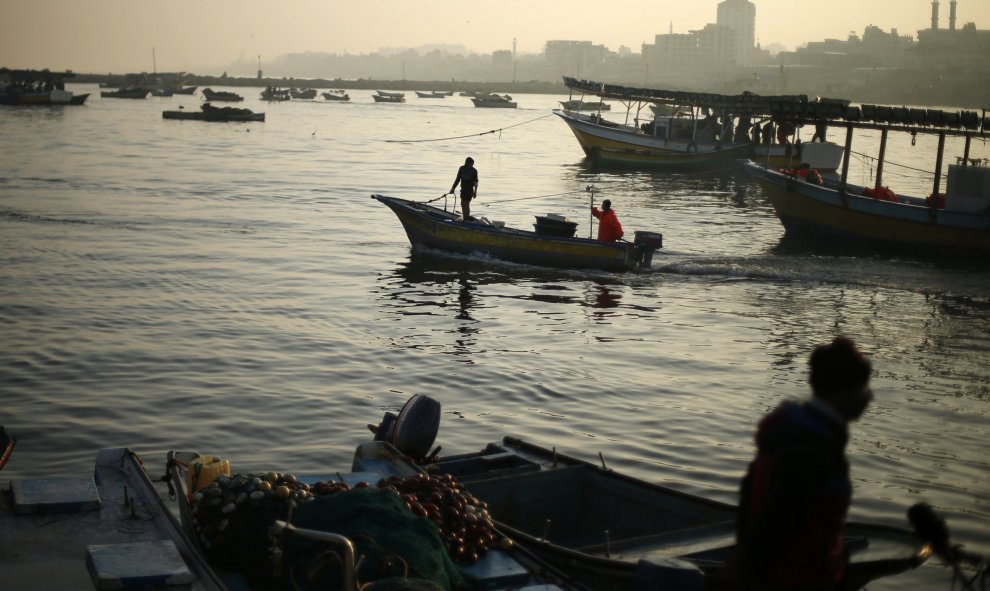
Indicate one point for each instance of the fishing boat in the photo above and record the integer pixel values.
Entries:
(382, 96)
(308, 93)
(579, 105)
(494, 101)
(33, 87)
(184, 89)
(275, 94)
(221, 95)
(336, 95)
(608, 530)
(431, 95)
(955, 221)
(385, 522)
(128, 92)
(551, 244)
(210, 113)
(676, 129)
(821, 156)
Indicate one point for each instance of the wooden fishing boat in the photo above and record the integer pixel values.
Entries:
(336, 95)
(109, 529)
(494, 101)
(590, 106)
(371, 505)
(33, 87)
(382, 96)
(210, 113)
(221, 95)
(431, 95)
(275, 94)
(308, 93)
(676, 129)
(608, 530)
(822, 156)
(552, 244)
(126, 93)
(956, 221)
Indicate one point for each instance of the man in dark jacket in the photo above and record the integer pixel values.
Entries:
(467, 178)
(796, 493)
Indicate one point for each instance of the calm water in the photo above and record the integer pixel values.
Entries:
(232, 288)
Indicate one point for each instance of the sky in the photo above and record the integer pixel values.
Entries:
(202, 36)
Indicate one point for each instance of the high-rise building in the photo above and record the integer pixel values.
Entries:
(740, 16)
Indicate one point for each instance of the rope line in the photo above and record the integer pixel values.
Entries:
(460, 137)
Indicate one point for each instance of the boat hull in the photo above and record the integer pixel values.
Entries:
(822, 156)
(809, 210)
(433, 228)
(623, 144)
(596, 524)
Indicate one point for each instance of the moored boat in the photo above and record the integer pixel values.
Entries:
(954, 221)
(210, 113)
(336, 95)
(126, 93)
(221, 95)
(308, 93)
(32, 87)
(590, 106)
(494, 101)
(431, 95)
(609, 530)
(382, 96)
(275, 94)
(552, 244)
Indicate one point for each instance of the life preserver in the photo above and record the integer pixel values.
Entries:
(936, 201)
(881, 194)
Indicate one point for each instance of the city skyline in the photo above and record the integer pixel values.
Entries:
(124, 36)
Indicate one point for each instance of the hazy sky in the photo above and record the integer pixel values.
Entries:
(199, 35)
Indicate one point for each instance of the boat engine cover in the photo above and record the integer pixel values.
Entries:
(415, 428)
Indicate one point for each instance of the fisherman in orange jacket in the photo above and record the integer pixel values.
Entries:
(609, 228)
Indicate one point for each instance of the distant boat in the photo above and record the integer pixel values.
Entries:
(30, 87)
(210, 113)
(221, 95)
(336, 95)
(502, 101)
(431, 95)
(309, 93)
(389, 97)
(185, 90)
(273, 93)
(578, 105)
(126, 93)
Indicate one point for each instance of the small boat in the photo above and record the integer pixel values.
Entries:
(32, 87)
(822, 156)
(309, 93)
(210, 113)
(336, 95)
(184, 89)
(579, 105)
(608, 530)
(221, 95)
(273, 93)
(126, 93)
(552, 244)
(431, 95)
(495, 101)
(381, 96)
(954, 221)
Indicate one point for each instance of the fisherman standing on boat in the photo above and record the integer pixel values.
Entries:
(467, 177)
(796, 493)
(609, 228)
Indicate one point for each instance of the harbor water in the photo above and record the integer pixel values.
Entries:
(231, 288)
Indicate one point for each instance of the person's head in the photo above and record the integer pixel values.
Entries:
(469, 161)
(606, 205)
(840, 376)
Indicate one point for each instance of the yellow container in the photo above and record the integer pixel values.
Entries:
(204, 470)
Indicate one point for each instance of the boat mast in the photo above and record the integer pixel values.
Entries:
(883, 151)
(938, 167)
(845, 164)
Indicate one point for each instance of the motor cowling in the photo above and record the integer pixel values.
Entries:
(414, 429)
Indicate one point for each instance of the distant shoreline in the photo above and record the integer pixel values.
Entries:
(528, 87)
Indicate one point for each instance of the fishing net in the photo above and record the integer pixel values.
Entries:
(396, 549)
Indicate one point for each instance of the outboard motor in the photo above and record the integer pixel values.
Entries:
(648, 242)
(414, 429)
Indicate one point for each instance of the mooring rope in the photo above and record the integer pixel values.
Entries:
(460, 137)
